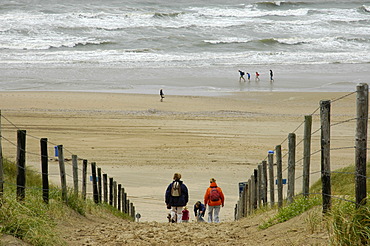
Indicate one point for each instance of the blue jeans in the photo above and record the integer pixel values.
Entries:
(213, 214)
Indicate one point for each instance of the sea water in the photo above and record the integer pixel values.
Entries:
(185, 47)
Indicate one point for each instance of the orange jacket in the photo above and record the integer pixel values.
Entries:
(207, 199)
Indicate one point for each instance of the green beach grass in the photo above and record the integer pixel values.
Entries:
(34, 221)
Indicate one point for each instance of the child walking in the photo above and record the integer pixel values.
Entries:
(185, 215)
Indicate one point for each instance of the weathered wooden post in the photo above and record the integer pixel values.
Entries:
(132, 210)
(115, 194)
(105, 187)
(123, 200)
(84, 178)
(62, 170)
(99, 185)
(1, 166)
(255, 188)
(126, 203)
(306, 154)
(95, 184)
(291, 166)
(111, 191)
(119, 197)
(264, 182)
(259, 186)
(361, 142)
(325, 154)
(45, 169)
(21, 164)
(250, 195)
(75, 174)
(271, 175)
(279, 175)
(245, 200)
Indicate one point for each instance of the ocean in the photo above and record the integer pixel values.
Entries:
(185, 47)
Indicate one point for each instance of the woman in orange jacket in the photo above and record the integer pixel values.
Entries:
(214, 198)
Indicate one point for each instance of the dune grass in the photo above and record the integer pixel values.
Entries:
(346, 223)
(32, 220)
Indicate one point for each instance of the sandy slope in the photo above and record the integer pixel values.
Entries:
(112, 231)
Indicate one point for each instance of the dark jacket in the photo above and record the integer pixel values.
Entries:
(177, 201)
(201, 208)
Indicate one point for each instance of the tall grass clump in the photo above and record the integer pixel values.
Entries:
(349, 225)
(300, 205)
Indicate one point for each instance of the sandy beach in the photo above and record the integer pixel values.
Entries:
(141, 142)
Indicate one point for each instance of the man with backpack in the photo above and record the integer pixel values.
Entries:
(214, 198)
(176, 198)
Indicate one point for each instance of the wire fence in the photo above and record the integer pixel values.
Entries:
(267, 182)
(97, 188)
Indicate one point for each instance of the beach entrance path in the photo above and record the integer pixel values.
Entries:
(78, 230)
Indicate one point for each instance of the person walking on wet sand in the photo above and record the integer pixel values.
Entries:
(257, 77)
(271, 76)
(241, 76)
(161, 94)
(176, 197)
(249, 77)
(214, 198)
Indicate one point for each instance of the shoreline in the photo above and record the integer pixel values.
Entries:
(141, 141)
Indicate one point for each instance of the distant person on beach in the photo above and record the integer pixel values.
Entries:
(185, 215)
(214, 198)
(176, 197)
(271, 76)
(161, 94)
(249, 77)
(257, 76)
(199, 211)
(241, 75)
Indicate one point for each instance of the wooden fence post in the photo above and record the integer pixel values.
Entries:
(1, 166)
(95, 185)
(255, 189)
(119, 197)
(62, 170)
(279, 175)
(111, 191)
(245, 200)
(75, 174)
(325, 154)
(250, 195)
(84, 178)
(271, 175)
(132, 210)
(291, 166)
(264, 182)
(306, 154)
(122, 199)
(45, 169)
(105, 187)
(99, 185)
(21, 164)
(259, 185)
(115, 194)
(361, 142)
(127, 203)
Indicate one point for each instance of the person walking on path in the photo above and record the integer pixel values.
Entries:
(199, 211)
(176, 197)
(161, 94)
(271, 76)
(214, 198)
(185, 215)
(241, 76)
